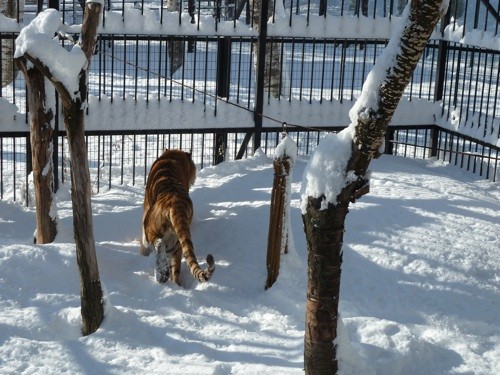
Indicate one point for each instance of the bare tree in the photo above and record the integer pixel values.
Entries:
(323, 217)
(73, 99)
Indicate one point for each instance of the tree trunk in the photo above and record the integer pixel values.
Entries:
(272, 69)
(324, 231)
(40, 120)
(324, 223)
(92, 308)
(175, 47)
(90, 285)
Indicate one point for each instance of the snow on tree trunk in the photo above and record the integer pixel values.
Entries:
(337, 175)
(68, 73)
(279, 222)
(41, 102)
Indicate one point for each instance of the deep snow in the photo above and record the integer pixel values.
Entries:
(420, 282)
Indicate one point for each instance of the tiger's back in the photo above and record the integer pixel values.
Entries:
(168, 212)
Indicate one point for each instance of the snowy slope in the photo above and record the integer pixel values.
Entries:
(420, 287)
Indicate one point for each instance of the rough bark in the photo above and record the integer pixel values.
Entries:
(92, 308)
(324, 231)
(272, 70)
(90, 286)
(175, 47)
(41, 130)
(324, 228)
(277, 240)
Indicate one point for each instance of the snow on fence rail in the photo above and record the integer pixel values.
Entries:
(453, 86)
(217, 15)
(207, 103)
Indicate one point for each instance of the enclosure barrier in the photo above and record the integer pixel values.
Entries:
(462, 80)
(118, 157)
(465, 14)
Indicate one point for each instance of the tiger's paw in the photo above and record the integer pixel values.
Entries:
(145, 251)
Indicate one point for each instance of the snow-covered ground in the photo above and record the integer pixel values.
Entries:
(420, 282)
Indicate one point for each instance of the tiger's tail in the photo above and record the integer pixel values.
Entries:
(181, 226)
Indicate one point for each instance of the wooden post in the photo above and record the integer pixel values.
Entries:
(40, 117)
(278, 235)
(91, 295)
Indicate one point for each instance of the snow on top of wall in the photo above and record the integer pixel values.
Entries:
(9, 25)
(478, 38)
(166, 114)
(477, 125)
(162, 114)
(133, 22)
(12, 120)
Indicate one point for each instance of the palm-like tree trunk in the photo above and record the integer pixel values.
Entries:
(324, 222)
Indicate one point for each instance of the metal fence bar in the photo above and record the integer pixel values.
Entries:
(118, 157)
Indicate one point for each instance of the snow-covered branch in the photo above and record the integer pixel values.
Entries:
(38, 43)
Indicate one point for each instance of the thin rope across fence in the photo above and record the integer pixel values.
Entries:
(215, 97)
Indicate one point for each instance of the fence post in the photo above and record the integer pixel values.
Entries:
(442, 59)
(54, 4)
(223, 66)
(434, 140)
(29, 167)
(220, 144)
(440, 78)
(223, 80)
(261, 61)
(55, 148)
(389, 138)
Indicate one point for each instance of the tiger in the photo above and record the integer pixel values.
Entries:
(168, 212)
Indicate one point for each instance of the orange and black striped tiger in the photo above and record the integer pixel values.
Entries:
(168, 211)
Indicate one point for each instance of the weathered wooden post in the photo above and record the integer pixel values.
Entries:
(277, 242)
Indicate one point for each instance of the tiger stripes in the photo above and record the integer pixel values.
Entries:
(168, 212)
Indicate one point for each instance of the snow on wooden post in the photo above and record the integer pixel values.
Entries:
(41, 102)
(67, 70)
(277, 241)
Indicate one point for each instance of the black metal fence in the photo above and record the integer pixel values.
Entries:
(463, 80)
(465, 15)
(117, 158)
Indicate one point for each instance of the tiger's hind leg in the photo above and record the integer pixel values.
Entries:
(175, 265)
(162, 262)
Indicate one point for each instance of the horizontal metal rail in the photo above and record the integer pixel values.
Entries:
(121, 157)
